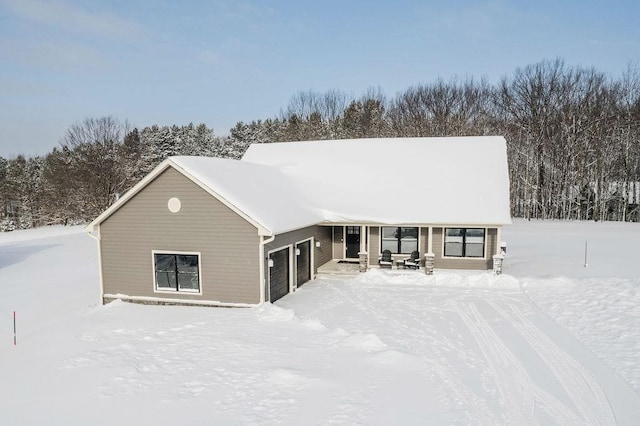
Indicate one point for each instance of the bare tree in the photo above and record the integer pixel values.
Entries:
(96, 170)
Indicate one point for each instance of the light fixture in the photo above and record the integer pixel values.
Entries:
(270, 263)
(297, 252)
(318, 244)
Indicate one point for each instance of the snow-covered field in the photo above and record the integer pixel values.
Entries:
(549, 342)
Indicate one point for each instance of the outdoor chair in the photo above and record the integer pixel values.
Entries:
(413, 261)
(385, 260)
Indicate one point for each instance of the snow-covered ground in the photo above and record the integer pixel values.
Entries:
(549, 342)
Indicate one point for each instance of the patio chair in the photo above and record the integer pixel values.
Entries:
(385, 260)
(413, 261)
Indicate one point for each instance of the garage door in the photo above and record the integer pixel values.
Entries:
(279, 274)
(303, 262)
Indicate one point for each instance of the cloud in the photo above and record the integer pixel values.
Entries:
(73, 18)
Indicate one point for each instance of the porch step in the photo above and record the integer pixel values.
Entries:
(335, 267)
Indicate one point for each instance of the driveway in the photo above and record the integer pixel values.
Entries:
(494, 356)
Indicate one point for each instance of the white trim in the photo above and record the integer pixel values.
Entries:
(178, 291)
(263, 280)
(312, 249)
(344, 241)
(125, 297)
(467, 258)
(368, 245)
(291, 271)
(174, 204)
(100, 275)
(128, 195)
(262, 230)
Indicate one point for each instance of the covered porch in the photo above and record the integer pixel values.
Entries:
(456, 246)
(352, 267)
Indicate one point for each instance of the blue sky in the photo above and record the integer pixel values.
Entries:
(219, 62)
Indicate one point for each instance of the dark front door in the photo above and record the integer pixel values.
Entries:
(353, 242)
(303, 262)
(279, 274)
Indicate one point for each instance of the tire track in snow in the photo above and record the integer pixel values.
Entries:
(581, 387)
(521, 397)
(422, 345)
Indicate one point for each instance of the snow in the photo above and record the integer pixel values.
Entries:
(285, 186)
(551, 248)
(263, 193)
(548, 342)
(398, 180)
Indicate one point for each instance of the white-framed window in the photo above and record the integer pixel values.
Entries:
(464, 242)
(176, 271)
(399, 240)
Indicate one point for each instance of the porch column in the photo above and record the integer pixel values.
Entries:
(430, 240)
(428, 262)
(497, 264)
(363, 263)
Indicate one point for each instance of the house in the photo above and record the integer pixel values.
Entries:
(213, 231)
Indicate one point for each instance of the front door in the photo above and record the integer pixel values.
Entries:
(353, 242)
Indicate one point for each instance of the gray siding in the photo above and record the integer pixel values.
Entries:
(324, 253)
(228, 244)
(374, 245)
(338, 242)
(462, 263)
(321, 255)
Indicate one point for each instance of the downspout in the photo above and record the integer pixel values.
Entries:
(97, 238)
(263, 282)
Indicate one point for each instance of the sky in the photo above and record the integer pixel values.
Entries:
(219, 62)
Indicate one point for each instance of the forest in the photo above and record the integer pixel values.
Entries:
(573, 141)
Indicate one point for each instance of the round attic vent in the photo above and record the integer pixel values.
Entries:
(174, 205)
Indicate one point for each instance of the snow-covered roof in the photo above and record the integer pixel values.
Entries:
(280, 187)
(264, 194)
(261, 194)
(447, 180)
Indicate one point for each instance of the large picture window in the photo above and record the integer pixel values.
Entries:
(464, 242)
(399, 240)
(177, 272)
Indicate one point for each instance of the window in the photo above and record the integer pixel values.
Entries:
(399, 239)
(177, 272)
(464, 242)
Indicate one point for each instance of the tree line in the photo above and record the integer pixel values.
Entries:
(573, 142)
